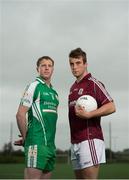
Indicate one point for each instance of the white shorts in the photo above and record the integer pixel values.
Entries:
(88, 153)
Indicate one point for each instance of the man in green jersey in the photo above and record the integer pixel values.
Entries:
(39, 103)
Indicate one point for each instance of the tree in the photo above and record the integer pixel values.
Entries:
(7, 148)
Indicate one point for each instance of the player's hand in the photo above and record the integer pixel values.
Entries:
(19, 142)
(82, 113)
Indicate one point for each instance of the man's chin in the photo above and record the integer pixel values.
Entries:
(76, 75)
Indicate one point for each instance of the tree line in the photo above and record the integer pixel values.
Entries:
(9, 155)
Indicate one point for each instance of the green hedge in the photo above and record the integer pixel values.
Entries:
(11, 159)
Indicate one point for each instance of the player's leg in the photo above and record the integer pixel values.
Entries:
(46, 175)
(78, 174)
(91, 172)
(32, 173)
(87, 173)
(25, 174)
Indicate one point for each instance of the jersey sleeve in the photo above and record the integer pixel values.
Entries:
(27, 98)
(102, 94)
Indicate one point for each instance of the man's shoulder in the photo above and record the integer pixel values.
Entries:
(95, 81)
(33, 83)
(32, 86)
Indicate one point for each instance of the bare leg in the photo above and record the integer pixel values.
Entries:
(32, 173)
(87, 173)
(25, 173)
(46, 175)
(78, 174)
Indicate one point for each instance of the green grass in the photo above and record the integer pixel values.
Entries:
(11, 171)
(64, 171)
(114, 171)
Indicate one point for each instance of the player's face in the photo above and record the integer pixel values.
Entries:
(45, 69)
(78, 67)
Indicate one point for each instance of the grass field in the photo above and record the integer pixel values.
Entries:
(64, 171)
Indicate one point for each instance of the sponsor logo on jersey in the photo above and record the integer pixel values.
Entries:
(50, 105)
(80, 91)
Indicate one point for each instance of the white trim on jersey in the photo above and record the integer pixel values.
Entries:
(38, 79)
(101, 87)
(36, 109)
(27, 98)
(49, 110)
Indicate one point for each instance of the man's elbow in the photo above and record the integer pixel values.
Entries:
(113, 109)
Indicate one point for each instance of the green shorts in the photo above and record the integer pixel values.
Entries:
(40, 157)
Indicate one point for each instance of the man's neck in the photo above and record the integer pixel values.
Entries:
(47, 81)
(81, 77)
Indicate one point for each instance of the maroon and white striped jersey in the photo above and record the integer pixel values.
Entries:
(82, 129)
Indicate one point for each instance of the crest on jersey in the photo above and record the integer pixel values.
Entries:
(80, 91)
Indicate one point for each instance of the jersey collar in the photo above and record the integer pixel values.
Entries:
(40, 79)
(85, 78)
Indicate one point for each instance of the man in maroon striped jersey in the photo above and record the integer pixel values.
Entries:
(87, 142)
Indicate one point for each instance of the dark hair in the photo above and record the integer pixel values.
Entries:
(77, 53)
(44, 57)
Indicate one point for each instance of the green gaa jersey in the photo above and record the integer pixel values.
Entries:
(42, 114)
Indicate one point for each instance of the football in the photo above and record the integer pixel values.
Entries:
(88, 102)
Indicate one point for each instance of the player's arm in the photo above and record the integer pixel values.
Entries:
(21, 120)
(104, 110)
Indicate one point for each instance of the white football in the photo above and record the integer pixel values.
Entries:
(88, 102)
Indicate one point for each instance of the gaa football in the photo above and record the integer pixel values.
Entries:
(88, 102)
